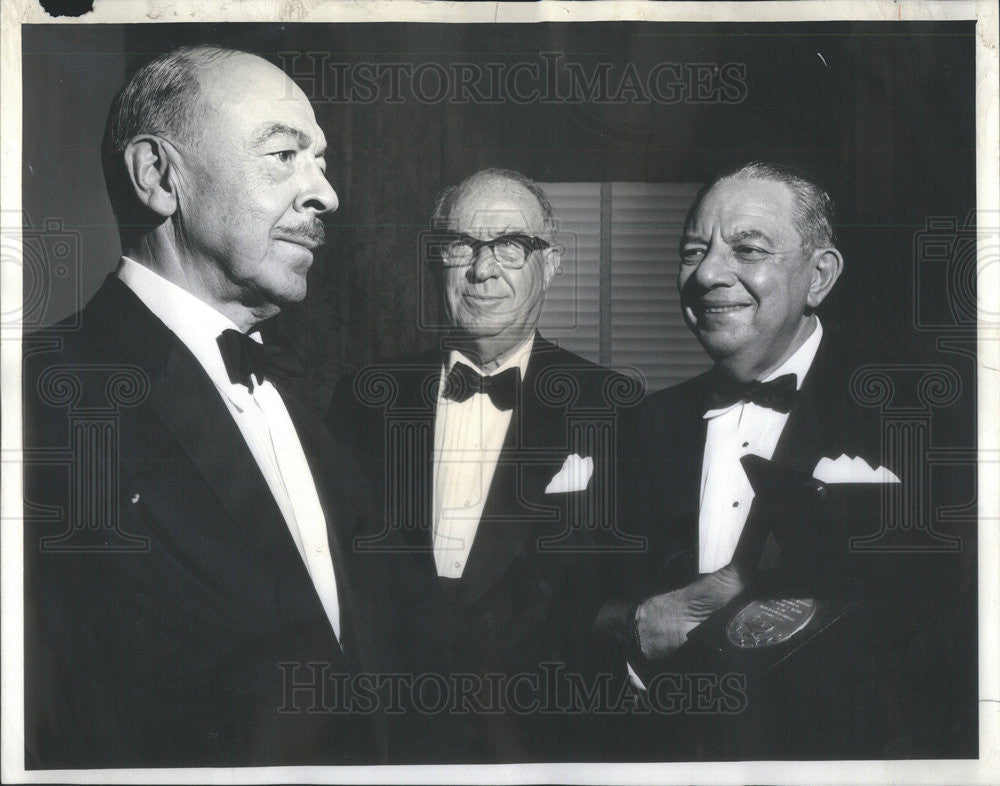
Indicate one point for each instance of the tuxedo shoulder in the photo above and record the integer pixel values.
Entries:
(363, 394)
(555, 367)
(547, 353)
(837, 371)
(684, 393)
(402, 365)
(550, 354)
(838, 355)
(76, 353)
(77, 336)
(114, 328)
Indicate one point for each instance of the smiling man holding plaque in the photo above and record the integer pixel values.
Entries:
(757, 485)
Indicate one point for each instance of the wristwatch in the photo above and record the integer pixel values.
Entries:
(633, 644)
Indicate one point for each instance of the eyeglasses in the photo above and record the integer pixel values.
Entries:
(510, 251)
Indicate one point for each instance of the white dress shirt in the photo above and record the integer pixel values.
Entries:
(468, 438)
(261, 417)
(733, 432)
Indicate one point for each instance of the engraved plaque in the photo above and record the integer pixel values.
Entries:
(764, 623)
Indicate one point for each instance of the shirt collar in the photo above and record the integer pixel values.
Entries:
(193, 321)
(518, 358)
(798, 364)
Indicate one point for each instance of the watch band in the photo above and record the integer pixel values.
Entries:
(633, 644)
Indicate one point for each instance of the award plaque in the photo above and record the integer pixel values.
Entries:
(758, 630)
(801, 577)
(764, 623)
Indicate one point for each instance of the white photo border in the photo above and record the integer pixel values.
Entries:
(16, 13)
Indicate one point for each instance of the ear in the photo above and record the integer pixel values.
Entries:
(826, 266)
(150, 162)
(551, 258)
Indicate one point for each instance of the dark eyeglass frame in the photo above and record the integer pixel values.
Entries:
(527, 243)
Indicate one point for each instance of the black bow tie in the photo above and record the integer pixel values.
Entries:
(245, 357)
(502, 388)
(779, 394)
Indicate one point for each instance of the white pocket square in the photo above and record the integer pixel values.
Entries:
(574, 475)
(851, 470)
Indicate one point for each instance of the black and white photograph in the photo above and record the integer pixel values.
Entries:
(500, 392)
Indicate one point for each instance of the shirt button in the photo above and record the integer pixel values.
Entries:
(458, 564)
(746, 444)
(736, 504)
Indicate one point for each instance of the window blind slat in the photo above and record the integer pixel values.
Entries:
(646, 330)
(572, 303)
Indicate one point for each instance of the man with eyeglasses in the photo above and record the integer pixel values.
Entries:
(491, 454)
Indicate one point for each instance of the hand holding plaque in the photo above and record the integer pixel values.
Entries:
(799, 528)
(664, 621)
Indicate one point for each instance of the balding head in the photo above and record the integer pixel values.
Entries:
(498, 259)
(160, 98)
(216, 168)
(814, 211)
(497, 180)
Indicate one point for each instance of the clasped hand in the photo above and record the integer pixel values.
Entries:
(664, 621)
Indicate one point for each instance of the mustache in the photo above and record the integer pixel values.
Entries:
(313, 230)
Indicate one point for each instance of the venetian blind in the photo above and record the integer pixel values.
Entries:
(615, 299)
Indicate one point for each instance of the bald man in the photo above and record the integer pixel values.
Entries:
(193, 578)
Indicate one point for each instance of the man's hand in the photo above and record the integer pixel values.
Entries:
(664, 621)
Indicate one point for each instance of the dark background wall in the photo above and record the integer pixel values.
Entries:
(885, 113)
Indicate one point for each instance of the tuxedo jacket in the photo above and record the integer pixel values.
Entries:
(534, 579)
(169, 618)
(871, 684)
(663, 449)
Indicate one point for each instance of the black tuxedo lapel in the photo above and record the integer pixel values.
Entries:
(505, 521)
(678, 433)
(825, 421)
(183, 397)
(516, 509)
(409, 449)
(680, 430)
(186, 640)
(799, 445)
